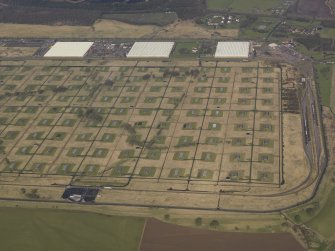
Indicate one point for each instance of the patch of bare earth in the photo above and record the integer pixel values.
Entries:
(317, 8)
(295, 165)
(168, 237)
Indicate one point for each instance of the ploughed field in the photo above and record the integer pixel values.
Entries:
(164, 236)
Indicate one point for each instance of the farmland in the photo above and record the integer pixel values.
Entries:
(103, 28)
(54, 229)
(322, 222)
(253, 6)
(38, 229)
(158, 236)
(324, 79)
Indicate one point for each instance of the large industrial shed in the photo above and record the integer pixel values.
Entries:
(69, 49)
(151, 50)
(232, 50)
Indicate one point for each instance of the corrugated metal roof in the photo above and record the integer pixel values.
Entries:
(151, 50)
(69, 49)
(232, 50)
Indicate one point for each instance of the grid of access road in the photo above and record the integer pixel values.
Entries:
(126, 121)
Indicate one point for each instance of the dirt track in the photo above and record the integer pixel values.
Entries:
(168, 237)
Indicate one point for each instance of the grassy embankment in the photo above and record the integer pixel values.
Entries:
(38, 229)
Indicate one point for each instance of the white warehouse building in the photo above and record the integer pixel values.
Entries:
(150, 50)
(230, 49)
(69, 49)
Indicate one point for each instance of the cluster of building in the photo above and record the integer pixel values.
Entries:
(222, 20)
(282, 8)
(227, 49)
(305, 31)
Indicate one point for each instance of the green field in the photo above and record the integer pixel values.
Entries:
(318, 55)
(154, 18)
(324, 221)
(243, 6)
(258, 28)
(323, 78)
(51, 230)
(184, 50)
(327, 33)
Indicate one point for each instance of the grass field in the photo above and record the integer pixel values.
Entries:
(327, 33)
(155, 18)
(258, 29)
(318, 55)
(184, 49)
(40, 230)
(110, 28)
(244, 6)
(324, 221)
(324, 76)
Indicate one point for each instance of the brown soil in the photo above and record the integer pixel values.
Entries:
(168, 237)
(314, 8)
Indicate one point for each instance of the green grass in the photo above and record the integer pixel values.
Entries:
(224, 80)
(180, 155)
(100, 152)
(259, 29)
(49, 151)
(205, 174)
(13, 166)
(147, 171)
(38, 167)
(302, 24)
(324, 221)
(236, 175)
(37, 230)
(154, 18)
(327, 33)
(265, 158)
(218, 4)
(236, 157)
(75, 151)
(91, 169)
(120, 171)
(238, 142)
(242, 5)
(65, 168)
(154, 154)
(300, 214)
(177, 173)
(208, 156)
(265, 176)
(184, 49)
(11, 135)
(318, 55)
(58, 136)
(323, 78)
